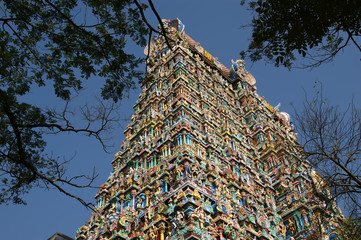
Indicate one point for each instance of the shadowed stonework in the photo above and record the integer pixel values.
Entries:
(205, 157)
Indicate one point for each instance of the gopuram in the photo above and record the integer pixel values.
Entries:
(205, 157)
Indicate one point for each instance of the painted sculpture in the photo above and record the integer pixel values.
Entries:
(205, 157)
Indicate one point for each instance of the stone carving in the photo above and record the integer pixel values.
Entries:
(205, 157)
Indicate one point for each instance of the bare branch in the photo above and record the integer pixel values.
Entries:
(144, 18)
(160, 23)
(353, 40)
(332, 145)
(324, 58)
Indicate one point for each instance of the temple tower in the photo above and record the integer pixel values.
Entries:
(205, 157)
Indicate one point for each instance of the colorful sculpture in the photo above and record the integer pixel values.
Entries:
(205, 157)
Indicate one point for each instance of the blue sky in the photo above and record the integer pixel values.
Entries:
(217, 26)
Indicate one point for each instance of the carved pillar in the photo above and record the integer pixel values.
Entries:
(121, 199)
(200, 224)
(133, 194)
(162, 231)
(169, 153)
(303, 213)
(147, 193)
(165, 184)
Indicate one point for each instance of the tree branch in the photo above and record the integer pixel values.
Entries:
(161, 24)
(353, 40)
(144, 18)
(22, 155)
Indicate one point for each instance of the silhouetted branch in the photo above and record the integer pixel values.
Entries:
(332, 145)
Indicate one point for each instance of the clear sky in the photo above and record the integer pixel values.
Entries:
(216, 25)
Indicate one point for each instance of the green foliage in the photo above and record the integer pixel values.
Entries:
(60, 43)
(32, 145)
(315, 30)
(42, 40)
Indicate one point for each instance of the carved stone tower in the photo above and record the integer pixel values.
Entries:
(205, 157)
